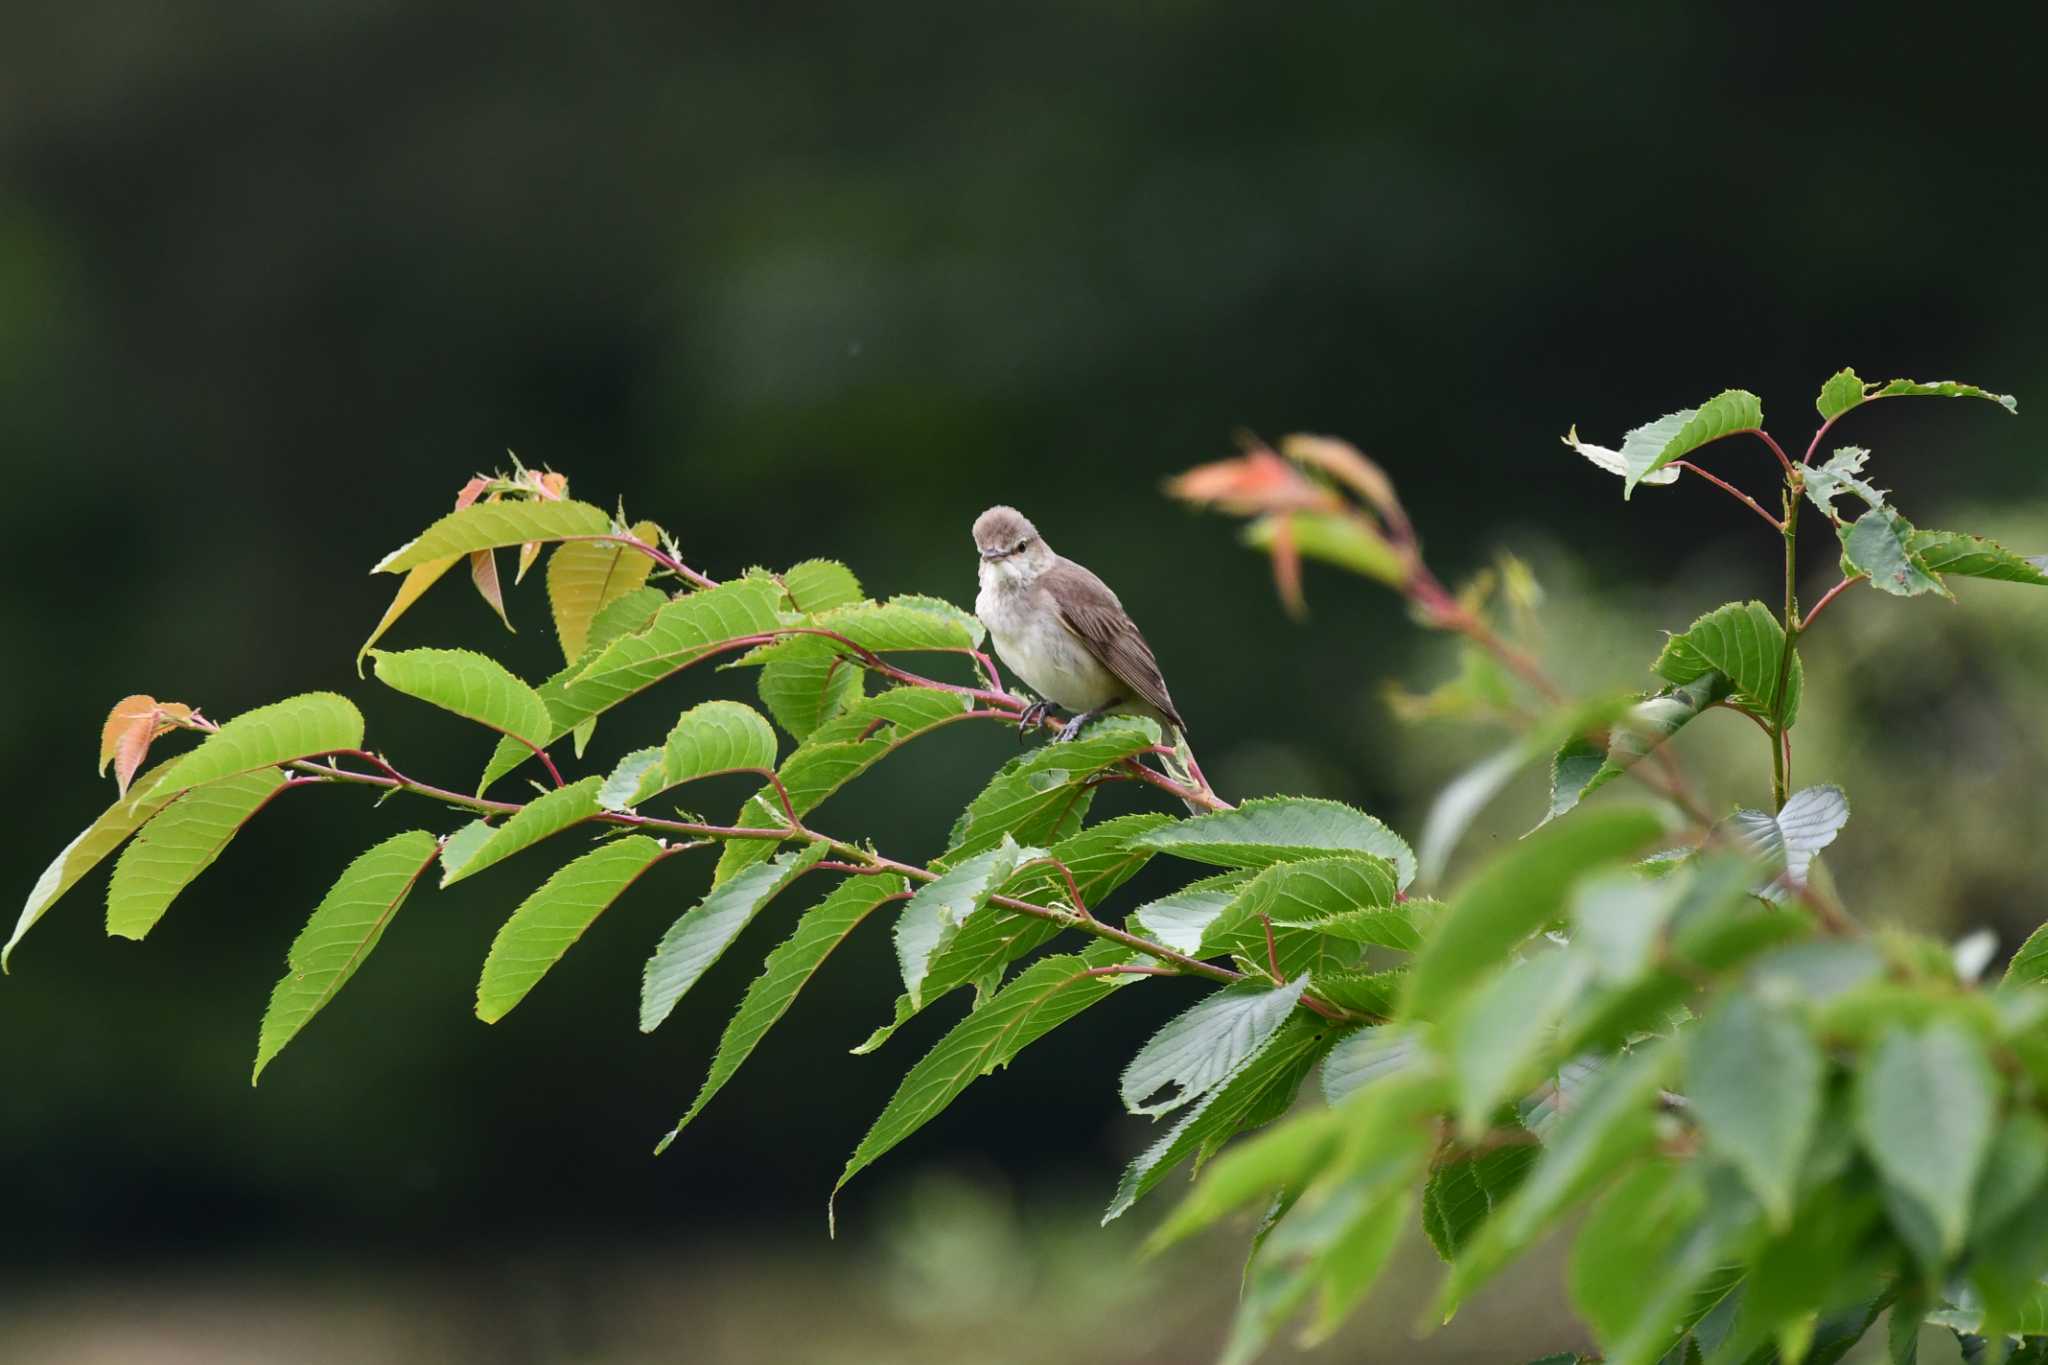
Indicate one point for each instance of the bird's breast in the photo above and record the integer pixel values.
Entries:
(1028, 636)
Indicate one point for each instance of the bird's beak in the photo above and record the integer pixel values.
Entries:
(991, 555)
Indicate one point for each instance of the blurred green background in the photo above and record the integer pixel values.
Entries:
(827, 280)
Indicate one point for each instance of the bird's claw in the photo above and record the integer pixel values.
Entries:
(1032, 716)
(1073, 727)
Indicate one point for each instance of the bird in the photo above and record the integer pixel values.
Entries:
(1061, 629)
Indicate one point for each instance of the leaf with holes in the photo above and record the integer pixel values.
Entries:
(704, 931)
(1843, 473)
(548, 922)
(1877, 544)
(179, 844)
(1182, 918)
(342, 931)
(788, 968)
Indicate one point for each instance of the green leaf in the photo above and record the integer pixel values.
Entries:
(704, 931)
(1278, 829)
(1745, 642)
(1974, 557)
(1044, 995)
(1345, 541)
(1634, 1226)
(1617, 918)
(2030, 963)
(1876, 544)
(1286, 1156)
(1788, 842)
(2013, 1171)
(902, 624)
(298, 727)
(1463, 1193)
(473, 686)
(1497, 1038)
(1841, 474)
(544, 816)
(1754, 1078)
(180, 843)
(805, 688)
(1514, 896)
(715, 738)
(685, 631)
(84, 852)
(554, 917)
(787, 970)
(1611, 1123)
(1581, 767)
(1367, 1056)
(818, 585)
(1197, 1049)
(1939, 388)
(586, 576)
(1044, 794)
(1844, 390)
(1926, 1105)
(938, 909)
(855, 741)
(1263, 1083)
(342, 931)
(1182, 918)
(489, 525)
(1353, 897)
(1646, 450)
(990, 941)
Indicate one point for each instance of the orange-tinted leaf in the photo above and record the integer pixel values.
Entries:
(1343, 461)
(551, 487)
(129, 714)
(483, 571)
(131, 726)
(1287, 565)
(1256, 482)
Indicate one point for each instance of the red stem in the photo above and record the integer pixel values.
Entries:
(1732, 491)
(1830, 595)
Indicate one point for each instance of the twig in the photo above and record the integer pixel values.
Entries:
(1732, 491)
(1830, 595)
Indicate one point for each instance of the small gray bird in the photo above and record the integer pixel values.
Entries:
(1062, 630)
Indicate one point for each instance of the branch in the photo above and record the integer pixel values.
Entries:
(1830, 595)
(1732, 491)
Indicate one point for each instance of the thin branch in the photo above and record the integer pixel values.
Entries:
(655, 553)
(1732, 491)
(1830, 595)
(1776, 449)
(1073, 887)
(1272, 953)
(1130, 969)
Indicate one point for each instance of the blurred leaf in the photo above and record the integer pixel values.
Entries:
(342, 931)
(298, 727)
(1497, 1037)
(1745, 642)
(1617, 919)
(542, 817)
(1925, 1108)
(1287, 1155)
(1269, 1075)
(1515, 895)
(1197, 1049)
(1464, 1191)
(84, 852)
(1632, 1229)
(585, 576)
(180, 843)
(785, 972)
(939, 908)
(554, 917)
(1581, 766)
(1876, 544)
(1278, 829)
(1366, 1056)
(1754, 1078)
(1942, 552)
(485, 526)
(1786, 843)
(1344, 539)
(473, 686)
(700, 936)
(1044, 995)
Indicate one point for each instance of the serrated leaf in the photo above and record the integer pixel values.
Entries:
(550, 920)
(1367, 1056)
(1939, 388)
(638, 770)
(1463, 1193)
(483, 575)
(907, 623)
(805, 688)
(793, 963)
(1353, 897)
(685, 631)
(345, 926)
(939, 908)
(1497, 1038)
(1263, 1083)
(1841, 474)
(298, 727)
(417, 580)
(1279, 829)
(1581, 766)
(861, 737)
(1043, 795)
(710, 740)
(1787, 843)
(1876, 544)
(492, 525)
(1926, 1105)
(129, 728)
(1197, 1049)
(84, 852)
(1286, 1156)
(2030, 963)
(179, 844)
(1754, 1078)
(1941, 552)
(1513, 897)
(818, 585)
(1746, 643)
(1181, 918)
(1613, 461)
(585, 576)
(544, 816)
(1649, 448)
(1044, 995)
(989, 942)
(704, 931)
(473, 686)
(1611, 1123)
(1843, 391)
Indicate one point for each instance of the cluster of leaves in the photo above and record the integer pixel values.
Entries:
(1777, 1124)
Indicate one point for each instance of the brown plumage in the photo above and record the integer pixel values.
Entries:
(1089, 609)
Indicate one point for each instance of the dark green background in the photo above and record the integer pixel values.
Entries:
(826, 280)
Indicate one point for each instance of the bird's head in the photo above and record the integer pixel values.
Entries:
(1010, 547)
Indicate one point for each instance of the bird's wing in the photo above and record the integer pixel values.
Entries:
(1089, 610)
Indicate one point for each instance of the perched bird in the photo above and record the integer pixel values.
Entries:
(1062, 630)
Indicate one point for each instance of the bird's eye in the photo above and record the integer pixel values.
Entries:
(1020, 547)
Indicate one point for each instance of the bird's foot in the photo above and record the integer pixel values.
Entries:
(1073, 727)
(1031, 718)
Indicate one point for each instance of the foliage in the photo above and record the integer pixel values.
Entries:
(1768, 1124)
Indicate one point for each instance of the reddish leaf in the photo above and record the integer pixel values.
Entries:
(131, 726)
(1343, 461)
(1287, 566)
(1258, 481)
(483, 571)
(551, 487)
